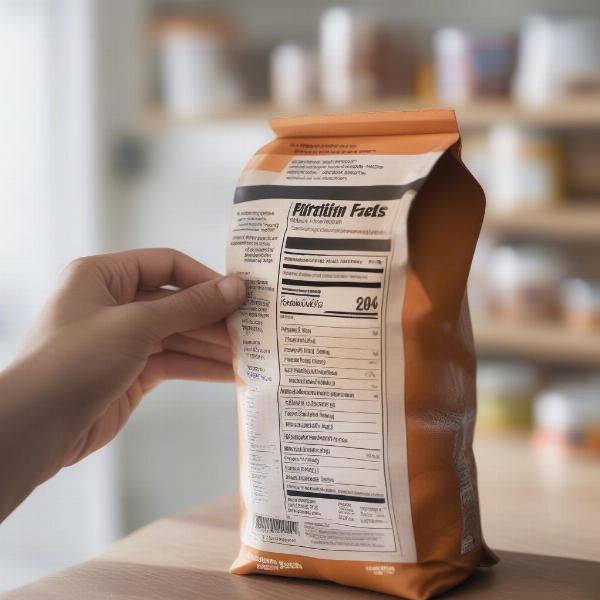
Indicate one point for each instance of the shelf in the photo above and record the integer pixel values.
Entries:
(572, 221)
(582, 112)
(546, 343)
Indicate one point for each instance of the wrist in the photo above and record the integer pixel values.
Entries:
(32, 419)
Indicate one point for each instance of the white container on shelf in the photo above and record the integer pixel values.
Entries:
(195, 70)
(292, 76)
(472, 65)
(524, 170)
(451, 50)
(558, 57)
(347, 47)
(568, 416)
(524, 282)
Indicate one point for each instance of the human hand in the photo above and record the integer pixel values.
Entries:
(110, 333)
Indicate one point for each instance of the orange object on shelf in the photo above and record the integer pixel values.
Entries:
(581, 304)
(567, 417)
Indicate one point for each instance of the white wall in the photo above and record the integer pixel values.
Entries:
(47, 204)
(22, 218)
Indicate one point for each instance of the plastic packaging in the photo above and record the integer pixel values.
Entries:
(354, 356)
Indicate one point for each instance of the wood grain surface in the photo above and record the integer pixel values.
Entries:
(533, 505)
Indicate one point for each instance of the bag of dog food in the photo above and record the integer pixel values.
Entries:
(354, 353)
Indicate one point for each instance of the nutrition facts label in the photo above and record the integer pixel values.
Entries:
(330, 392)
(313, 355)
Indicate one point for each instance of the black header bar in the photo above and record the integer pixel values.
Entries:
(246, 193)
(357, 244)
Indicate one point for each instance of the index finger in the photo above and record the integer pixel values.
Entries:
(150, 268)
(124, 274)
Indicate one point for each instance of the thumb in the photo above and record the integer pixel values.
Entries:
(193, 307)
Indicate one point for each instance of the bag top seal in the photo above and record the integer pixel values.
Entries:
(406, 122)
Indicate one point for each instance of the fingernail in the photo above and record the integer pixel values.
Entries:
(231, 289)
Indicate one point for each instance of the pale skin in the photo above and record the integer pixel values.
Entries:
(109, 334)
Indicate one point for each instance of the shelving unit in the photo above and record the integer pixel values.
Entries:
(571, 221)
(584, 112)
(546, 343)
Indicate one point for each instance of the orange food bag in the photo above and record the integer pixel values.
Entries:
(354, 353)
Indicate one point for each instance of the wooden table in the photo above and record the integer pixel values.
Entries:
(535, 509)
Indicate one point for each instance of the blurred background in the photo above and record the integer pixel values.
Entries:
(126, 124)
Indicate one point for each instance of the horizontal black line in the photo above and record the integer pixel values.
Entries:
(322, 431)
(287, 407)
(318, 284)
(345, 243)
(335, 497)
(301, 294)
(336, 269)
(331, 377)
(311, 420)
(287, 312)
(353, 412)
(306, 253)
(350, 312)
(329, 399)
(247, 193)
(376, 367)
(336, 255)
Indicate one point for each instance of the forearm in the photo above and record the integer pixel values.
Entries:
(32, 434)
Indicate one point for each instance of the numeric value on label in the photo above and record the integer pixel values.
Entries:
(367, 303)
